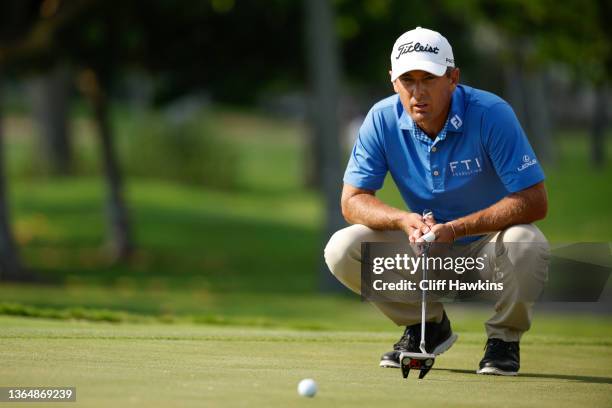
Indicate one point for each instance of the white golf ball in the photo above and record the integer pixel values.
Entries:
(307, 387)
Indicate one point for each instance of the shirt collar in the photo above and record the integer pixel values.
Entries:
(456, 113)
(404, 121)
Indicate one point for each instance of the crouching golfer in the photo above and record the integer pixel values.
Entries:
(462, 153)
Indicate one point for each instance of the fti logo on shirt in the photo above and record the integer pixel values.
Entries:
(465, 167)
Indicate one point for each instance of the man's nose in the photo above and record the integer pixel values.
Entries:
(418, 89)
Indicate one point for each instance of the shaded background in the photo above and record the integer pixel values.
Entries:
(183, 160)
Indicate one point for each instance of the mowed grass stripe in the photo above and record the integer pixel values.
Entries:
(13, 328)
(242, 367)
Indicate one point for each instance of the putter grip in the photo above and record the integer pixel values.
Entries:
(429, 237)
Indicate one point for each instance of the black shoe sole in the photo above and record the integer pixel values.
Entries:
(441, 348)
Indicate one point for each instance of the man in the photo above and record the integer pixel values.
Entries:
(460, 152)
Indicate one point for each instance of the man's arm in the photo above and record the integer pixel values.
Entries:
(523, 207)
(363, 207)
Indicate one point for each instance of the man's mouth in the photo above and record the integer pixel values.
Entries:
(420, 106)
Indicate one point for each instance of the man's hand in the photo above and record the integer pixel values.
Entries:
(415, 226)
(363, 207)
(444, 233)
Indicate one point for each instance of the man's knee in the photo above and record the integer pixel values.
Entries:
(340, 247)
(525, 240)
(524, 233)
(528, 251)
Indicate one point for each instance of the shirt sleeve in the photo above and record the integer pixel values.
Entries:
(509, 150)
(367, 166)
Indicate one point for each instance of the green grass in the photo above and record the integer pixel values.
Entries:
(184, 365)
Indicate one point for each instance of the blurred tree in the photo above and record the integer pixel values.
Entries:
(368, 28)
(232, 50)
(527, 92)
(172, 41)
(15, 18)
(504, 29)
(50, 98)
(324, 71)
(120, 238)
(10, 263)
(602, 84)
(599, 123)
(52, 31)
(537, 32)
(94, 41)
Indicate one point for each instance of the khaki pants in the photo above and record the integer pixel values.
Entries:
(511, 317)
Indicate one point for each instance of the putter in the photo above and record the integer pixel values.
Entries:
(422, 361)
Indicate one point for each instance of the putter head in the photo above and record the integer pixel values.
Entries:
(418, 361)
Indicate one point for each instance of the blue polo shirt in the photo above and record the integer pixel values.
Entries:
(480, 156)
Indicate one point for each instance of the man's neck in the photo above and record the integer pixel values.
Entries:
(431, 134)
(435, 126)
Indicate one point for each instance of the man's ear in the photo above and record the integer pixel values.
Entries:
(393, 82)
(455, 75)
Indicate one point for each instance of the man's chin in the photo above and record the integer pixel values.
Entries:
(419, 117)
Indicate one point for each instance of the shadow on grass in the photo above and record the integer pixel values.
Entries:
(581, 378)
(183, 247)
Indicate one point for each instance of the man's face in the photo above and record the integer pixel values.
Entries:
(426, 97)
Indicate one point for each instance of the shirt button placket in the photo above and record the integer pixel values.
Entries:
(437, 177)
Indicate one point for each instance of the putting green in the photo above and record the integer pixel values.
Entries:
(201, 366)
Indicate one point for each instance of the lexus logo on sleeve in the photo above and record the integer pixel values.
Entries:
(527, 162)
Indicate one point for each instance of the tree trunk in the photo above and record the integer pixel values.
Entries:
(537, 112)
(526, 93)
(119, 226)
(324, 72)
(10, 264)
(312, 165)
(598, 126)
(50, 101)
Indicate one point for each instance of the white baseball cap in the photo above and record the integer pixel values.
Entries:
(421, 49)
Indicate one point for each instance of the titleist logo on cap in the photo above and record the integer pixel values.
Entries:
(418, 47)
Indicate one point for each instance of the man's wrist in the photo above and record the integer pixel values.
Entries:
(401, 220)
(459, 228)
(454, 232)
